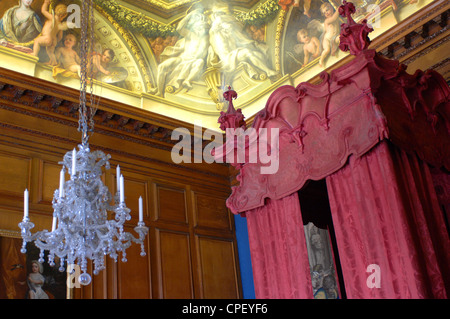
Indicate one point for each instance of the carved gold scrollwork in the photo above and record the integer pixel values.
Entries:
(170, 89)
(279, 33)
(213, 80)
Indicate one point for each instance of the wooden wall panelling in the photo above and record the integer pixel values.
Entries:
(181, 212)
(19, 170)
(215, 247)
(173, 265)
(219, 276)
(113, 281)
(98, 289)
(210, 211)
(135, 185)
(134, 275)
(15, 174)
(169, 202)
(171, 245)
(48, 178)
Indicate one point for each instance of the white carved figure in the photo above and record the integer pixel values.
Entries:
(231, 47)
(184, 61)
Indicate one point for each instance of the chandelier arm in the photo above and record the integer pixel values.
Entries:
(31, 237)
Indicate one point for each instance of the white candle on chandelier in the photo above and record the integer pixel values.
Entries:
(122, 193)
(61, 184)
(74, 161)
(118, 178)
(25, 203)
(141, 209)
(54, 223)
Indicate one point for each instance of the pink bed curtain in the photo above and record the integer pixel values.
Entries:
(386, 214)
(278, 250)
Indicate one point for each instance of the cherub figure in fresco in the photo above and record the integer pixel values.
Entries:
(186, 59)
(52, 31)
(296, 3)
(306, 7)
(285, 4)
(20, 24)
(100, 62)
(331, 26)
(67, 57)
(311, 45)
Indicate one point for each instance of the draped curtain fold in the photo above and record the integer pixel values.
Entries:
(441, 181)
(278, 250)
(390, 230)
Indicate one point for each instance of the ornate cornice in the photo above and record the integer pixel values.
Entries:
(38, 98)
(41, 88)
(416, 21)
(433, 27)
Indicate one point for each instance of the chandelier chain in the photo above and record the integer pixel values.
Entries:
(87, 40)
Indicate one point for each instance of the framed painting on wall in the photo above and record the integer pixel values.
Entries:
(22, 276)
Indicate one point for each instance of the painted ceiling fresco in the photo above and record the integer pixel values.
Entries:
(177, 57)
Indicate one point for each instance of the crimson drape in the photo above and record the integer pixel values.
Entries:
(278, 250)
(441, 181)
(386, 213)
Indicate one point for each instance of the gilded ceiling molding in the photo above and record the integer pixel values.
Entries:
(168, 6)
(133, 46)
(280, 27)
(134, 22)
(263, 14)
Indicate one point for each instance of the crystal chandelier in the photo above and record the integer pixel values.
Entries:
(81, 229)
